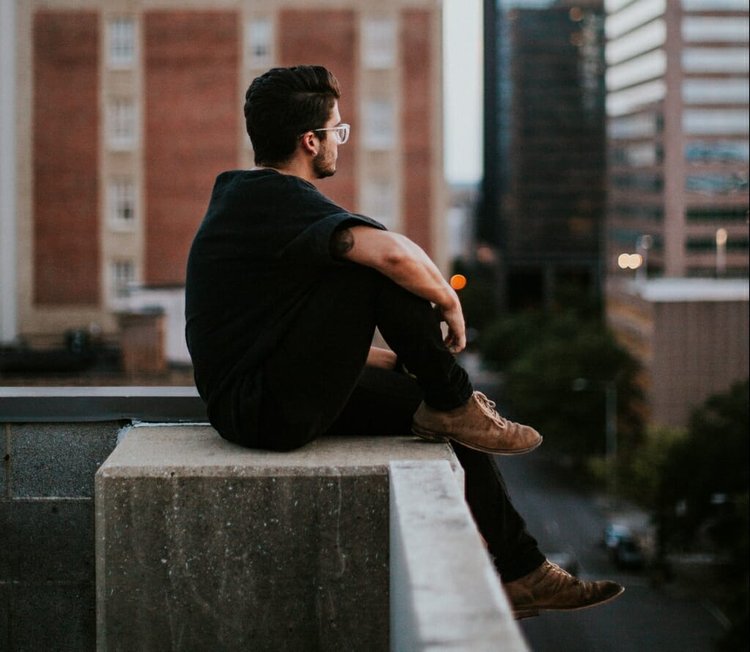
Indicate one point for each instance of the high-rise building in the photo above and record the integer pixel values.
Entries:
(544, 187)
(127, 109)
(677, 104)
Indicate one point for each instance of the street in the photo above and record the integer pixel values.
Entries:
(643, 619)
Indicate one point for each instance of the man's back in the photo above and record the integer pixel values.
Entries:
(262, 245)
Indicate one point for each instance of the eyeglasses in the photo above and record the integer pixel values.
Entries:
(340, 132)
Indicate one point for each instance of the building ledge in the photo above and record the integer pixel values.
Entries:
(91, 404)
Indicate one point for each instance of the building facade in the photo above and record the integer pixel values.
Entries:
(677, 104)
(544, 188)
(128, 109)
(689, 335)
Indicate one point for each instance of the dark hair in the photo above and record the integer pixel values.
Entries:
(283, 104)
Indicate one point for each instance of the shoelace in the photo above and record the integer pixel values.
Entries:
(561, 575)
(488, 407)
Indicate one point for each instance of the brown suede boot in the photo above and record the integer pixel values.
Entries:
(476, 425)
(550, 587)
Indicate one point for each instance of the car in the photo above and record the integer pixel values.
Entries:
(614, 533)
(628, 554)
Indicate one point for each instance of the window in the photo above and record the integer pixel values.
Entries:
(632, 99)
(122, 204)
(379, 202)
(122, 276)
(121, 128)
(633, 126)
(121, 38)
(379, 124)
(643, 39)
(637, 212)
(378, 43)
(729, 29)
(715, 121)
(648, 66)
(722, 151)
(641, 182)
(259, 42)
(638, 155)
(708, 5)
(716, 91)
(709, 244)
(717, 214)
(715, 60)
(636, 14)
(715, 184)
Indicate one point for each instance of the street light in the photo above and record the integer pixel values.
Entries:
(610, 433)
(721, 251)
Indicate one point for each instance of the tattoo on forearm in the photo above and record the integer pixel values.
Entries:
(342, 242)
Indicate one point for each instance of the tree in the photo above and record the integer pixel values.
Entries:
(696, 483)
(709, 467)
(546, 357)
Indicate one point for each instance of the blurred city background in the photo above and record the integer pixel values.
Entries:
(579, 169)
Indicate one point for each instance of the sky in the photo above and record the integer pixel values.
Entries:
(462, 89)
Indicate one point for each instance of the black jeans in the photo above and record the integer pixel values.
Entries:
(316, 383)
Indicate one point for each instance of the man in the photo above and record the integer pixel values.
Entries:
(284, 292)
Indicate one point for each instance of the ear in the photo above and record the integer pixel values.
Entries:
(310, 144)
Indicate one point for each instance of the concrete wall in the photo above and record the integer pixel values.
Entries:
(47, 582)
(52, 441)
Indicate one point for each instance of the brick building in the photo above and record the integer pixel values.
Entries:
(127, 109)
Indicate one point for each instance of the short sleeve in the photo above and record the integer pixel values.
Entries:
(313, 244)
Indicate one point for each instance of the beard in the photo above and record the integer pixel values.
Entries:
(322, 165)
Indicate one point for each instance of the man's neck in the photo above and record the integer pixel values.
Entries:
(295, 168)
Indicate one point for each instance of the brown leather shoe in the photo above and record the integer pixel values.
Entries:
(476, 425)
(550, 587)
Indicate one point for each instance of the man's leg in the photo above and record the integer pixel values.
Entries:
(330, 341)
(309, 378)
(383, 403)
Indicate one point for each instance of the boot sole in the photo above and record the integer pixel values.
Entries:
(441, 438)
(530, 612)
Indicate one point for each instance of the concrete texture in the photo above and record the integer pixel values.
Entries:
(445, 593)
(52, 617)
(48, 541)
(47, 576)
(58, 459)
(205, 545)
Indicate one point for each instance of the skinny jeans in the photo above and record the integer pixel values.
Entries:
(316, 383)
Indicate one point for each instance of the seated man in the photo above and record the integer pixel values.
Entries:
(284, 292)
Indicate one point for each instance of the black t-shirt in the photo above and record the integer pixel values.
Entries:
(260, 249)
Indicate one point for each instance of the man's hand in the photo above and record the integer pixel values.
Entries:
(455, 339)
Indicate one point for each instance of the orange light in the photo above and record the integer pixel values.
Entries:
(458, 281)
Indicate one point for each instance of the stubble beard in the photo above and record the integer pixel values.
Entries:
(322, 167)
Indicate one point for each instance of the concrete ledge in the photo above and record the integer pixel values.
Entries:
(203, 545)
(197, 450)
(445, 593)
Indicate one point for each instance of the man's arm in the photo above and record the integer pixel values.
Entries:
(405, 263)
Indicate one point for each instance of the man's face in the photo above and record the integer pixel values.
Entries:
(324, 163)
